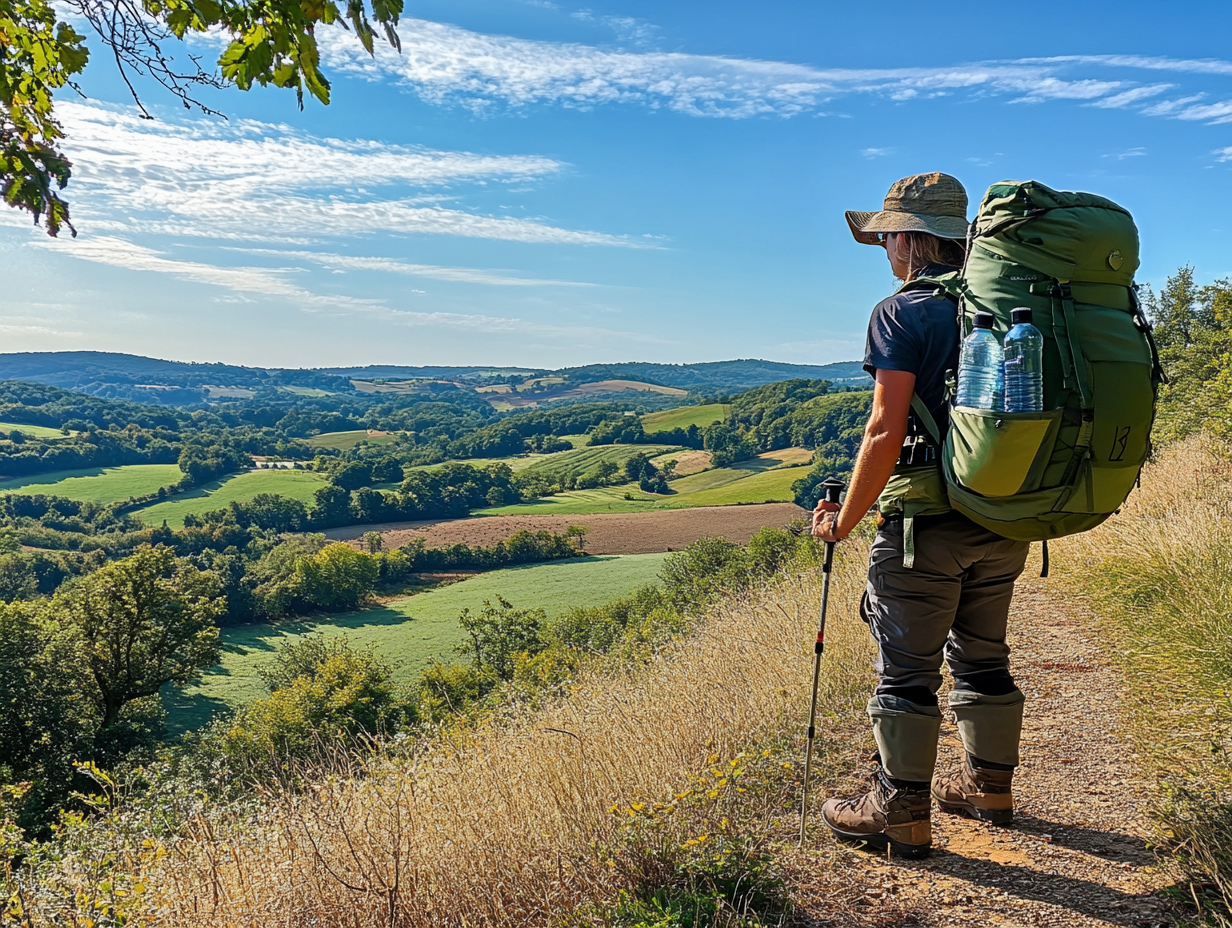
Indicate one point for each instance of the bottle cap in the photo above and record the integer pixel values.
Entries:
(1020, 315)
(984, 320)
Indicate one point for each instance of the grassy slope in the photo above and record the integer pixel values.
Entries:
(478, 811)
(684, 416)
(772, 486)
(344, 441)
(98, 484)
(298, 484)
(32, 431)
(412, 630)
(581, 459)
(765, 479)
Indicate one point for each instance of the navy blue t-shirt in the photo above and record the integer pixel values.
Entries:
(917, 333)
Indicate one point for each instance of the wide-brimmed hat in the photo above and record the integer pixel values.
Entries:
(935, 203)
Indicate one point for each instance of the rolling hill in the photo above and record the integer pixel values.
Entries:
(164, 383)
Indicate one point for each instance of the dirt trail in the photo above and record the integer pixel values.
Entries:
(1077, 854)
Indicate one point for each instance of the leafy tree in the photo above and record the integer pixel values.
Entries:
(44, 723)
(498, 634)
(336, 577)
(272, 512)
(354, 475)
(626, 430)
(1193, 328)
(331, 506)
(269, 42)
(634, 465)
(203, 464)
(277, 588)
(236, 584)
(143, 621)
(727, 445)
(374, 542)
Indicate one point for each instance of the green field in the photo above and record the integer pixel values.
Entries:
(578, 461)
(772, 486)
(98, 484)
(765, 479)
(583, 460)
(684, 416)
(31, 431)
(412, 630)
(345, 441)
(298, 484)
(306, 391)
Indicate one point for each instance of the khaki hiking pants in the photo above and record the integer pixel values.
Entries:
(954, 603)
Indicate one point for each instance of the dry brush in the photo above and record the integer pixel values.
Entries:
(519, 822)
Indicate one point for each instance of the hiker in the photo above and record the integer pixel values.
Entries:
(954, 599)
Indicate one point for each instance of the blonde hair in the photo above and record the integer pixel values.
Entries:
(924, 249)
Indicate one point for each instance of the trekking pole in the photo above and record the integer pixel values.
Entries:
(834, 487)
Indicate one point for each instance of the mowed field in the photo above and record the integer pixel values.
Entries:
(298, 484)
(97, 484)
(684, 416)
(581, 459)
(33, 431)
(408, 631)
(345, 441)
(765, 479)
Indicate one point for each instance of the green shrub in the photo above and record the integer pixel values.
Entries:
(443, 690)
(498, 634)
(324, 695)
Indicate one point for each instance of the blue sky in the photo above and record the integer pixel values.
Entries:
(554, 183)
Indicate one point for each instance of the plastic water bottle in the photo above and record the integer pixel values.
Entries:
(1024, 365)
(981, 382)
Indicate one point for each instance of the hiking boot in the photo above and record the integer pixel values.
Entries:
(980, 792)
(885, 817)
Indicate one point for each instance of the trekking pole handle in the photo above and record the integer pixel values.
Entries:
(834, 489)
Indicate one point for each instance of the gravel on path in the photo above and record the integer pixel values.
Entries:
(1077, 854)
(606, 533)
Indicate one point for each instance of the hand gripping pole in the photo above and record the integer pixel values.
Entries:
(834, 488)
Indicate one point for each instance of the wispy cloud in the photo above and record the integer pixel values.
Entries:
(1223, 154)
(1127, 97)
(1128, 153)
(628, 29)
(118, 252)
(876, 152)
(272, 282)
(446, 64)
(429, 271)
(258, 181)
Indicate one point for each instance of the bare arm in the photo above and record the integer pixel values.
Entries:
(878, 455)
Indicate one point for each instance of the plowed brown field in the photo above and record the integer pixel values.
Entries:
(606, 533)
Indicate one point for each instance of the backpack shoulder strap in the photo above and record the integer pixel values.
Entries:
(926, 418)
(947, 285)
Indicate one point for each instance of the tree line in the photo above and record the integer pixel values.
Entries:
(81, 669)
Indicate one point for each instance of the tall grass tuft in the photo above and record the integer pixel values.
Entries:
(606, 804)
(1160, 577)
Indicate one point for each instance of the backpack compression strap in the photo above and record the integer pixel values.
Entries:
(919, 507)
(926, 417)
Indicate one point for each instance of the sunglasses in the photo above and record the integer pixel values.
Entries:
(883, 237)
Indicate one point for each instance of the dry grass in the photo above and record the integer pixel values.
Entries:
(1160, 578)
(512, 825)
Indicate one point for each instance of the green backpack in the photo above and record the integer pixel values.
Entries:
(1070, 258)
